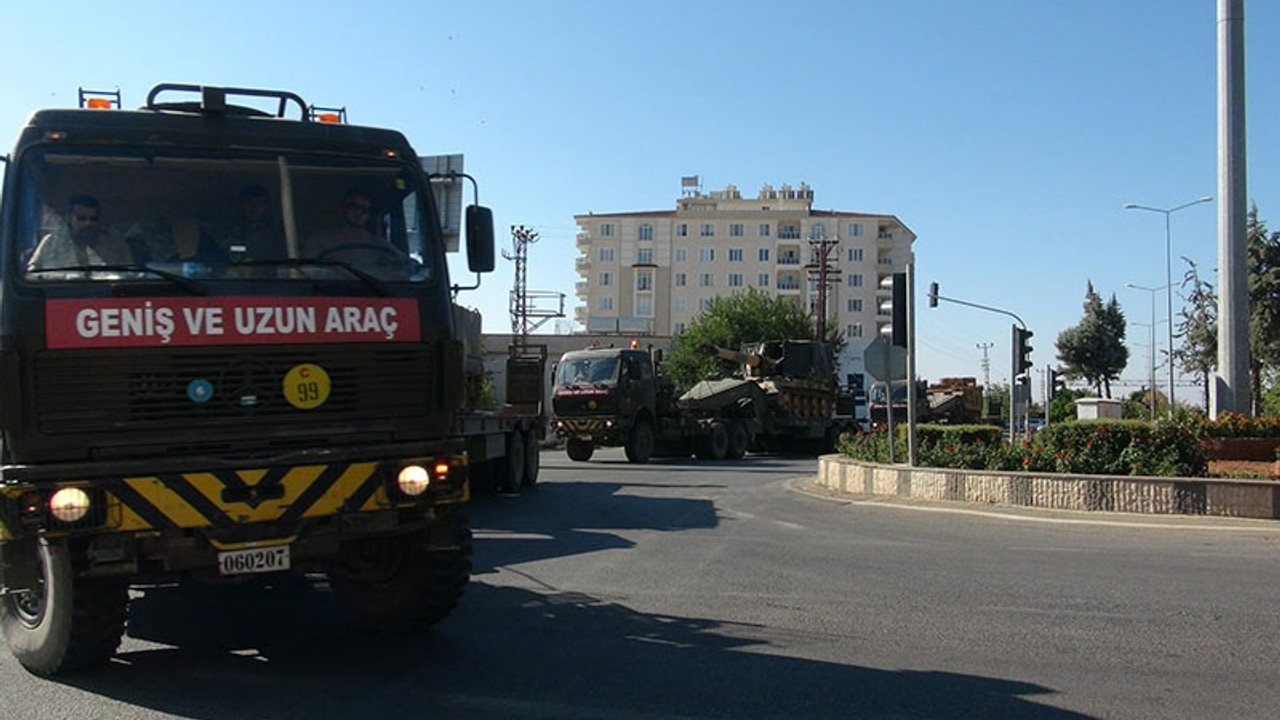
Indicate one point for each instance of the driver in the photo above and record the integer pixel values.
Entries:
(354, 222)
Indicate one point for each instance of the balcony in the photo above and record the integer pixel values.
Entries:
(580, 314)
(583, 241)
(582, 264)
(788, 259)
(581, 288)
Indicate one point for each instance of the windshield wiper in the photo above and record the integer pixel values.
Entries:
(186, 283)
(365, 277)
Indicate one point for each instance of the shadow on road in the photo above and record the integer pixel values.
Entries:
(285, 652)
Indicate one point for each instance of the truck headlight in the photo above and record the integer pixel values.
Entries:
(69, 504)
(413, 480)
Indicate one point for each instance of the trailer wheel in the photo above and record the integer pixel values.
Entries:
(640, 444)
(512, 466)
(715, 445)
(390, 583)
(532, 459)
(66, 623)
(579, 450)
(739, 438)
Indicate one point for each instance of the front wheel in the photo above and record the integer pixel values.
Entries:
(65, 623)
(640, 444)
(397, 582)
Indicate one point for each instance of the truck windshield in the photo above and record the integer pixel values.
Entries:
(588, 371)
(112, 217)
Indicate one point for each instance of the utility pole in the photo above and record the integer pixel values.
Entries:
(522, 304)
(821, 269)
(986, 374)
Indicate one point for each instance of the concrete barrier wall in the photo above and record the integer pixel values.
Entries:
(1106, 493)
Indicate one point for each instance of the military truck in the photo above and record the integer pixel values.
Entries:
(190, 391)
(784, 399)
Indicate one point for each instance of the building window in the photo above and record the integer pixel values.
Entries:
(735, 254)
(605, 303)
(644, 306)
(704, 280)
(763, 255)
(678, 328)
(764, 229)
(682, 255)
(707, 254)
(789, 232)
(704, 304)
(735, 230)
(853, 330)
(854, 280)
(735, 279)
(644, 256)
(606, 279)
(854, 305)
(681, 279)
(606, 254)
(644, 280)
(606, 230)
(679, 304)
(682, 230)
(855, 254)
(646, 232)
(707, 230)
(817, 231)
(855, 229)
(763, 280)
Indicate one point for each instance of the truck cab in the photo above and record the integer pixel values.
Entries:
(606, 397)
(226, 348)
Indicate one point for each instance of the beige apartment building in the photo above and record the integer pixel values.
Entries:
(653, 272)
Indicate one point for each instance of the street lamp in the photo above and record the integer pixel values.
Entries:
(1168, 269)
(1152, 329)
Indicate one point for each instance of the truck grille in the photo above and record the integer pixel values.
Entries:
(109, 390)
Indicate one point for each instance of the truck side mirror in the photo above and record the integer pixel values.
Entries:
(657, 356)
(480, 239)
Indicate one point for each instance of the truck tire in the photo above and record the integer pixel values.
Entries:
(511, 468)
(66, 623)
(393, 583)
(739, 439)
(640, 443)
(579, 450)
(532, 458)
(715, 444)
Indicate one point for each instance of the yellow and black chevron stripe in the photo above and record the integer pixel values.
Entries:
(220, 499)
(591, 424)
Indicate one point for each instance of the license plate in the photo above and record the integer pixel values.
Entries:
(254, 560)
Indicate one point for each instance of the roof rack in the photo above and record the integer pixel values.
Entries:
(100, 99)
(213, 100)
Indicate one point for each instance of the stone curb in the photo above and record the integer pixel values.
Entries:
(1258, 499)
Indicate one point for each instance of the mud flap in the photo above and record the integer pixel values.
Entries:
(19, 565)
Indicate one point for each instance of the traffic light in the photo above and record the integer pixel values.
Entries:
(900, 309)
(933, 294)
(1057, 383)
(1021, 350)
(896, 307)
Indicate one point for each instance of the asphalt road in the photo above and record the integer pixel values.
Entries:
(721, 590)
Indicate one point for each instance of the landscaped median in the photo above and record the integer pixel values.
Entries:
(1110, 466)
(1110, 493)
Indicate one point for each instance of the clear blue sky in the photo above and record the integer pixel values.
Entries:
(1007, 134)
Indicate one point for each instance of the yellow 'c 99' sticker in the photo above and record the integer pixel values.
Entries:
(306, 386)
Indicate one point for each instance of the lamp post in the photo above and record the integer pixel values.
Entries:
(1168, 269)
(1152, 332)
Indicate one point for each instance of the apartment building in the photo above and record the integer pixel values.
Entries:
(653, 272)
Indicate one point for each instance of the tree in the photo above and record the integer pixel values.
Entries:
(1199, 326)
(732, 321)
(1198, 353)
(1094, 350)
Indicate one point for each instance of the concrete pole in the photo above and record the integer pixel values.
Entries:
(1230, 390)
(913, 455)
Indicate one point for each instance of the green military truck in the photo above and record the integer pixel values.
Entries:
(193, 389)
